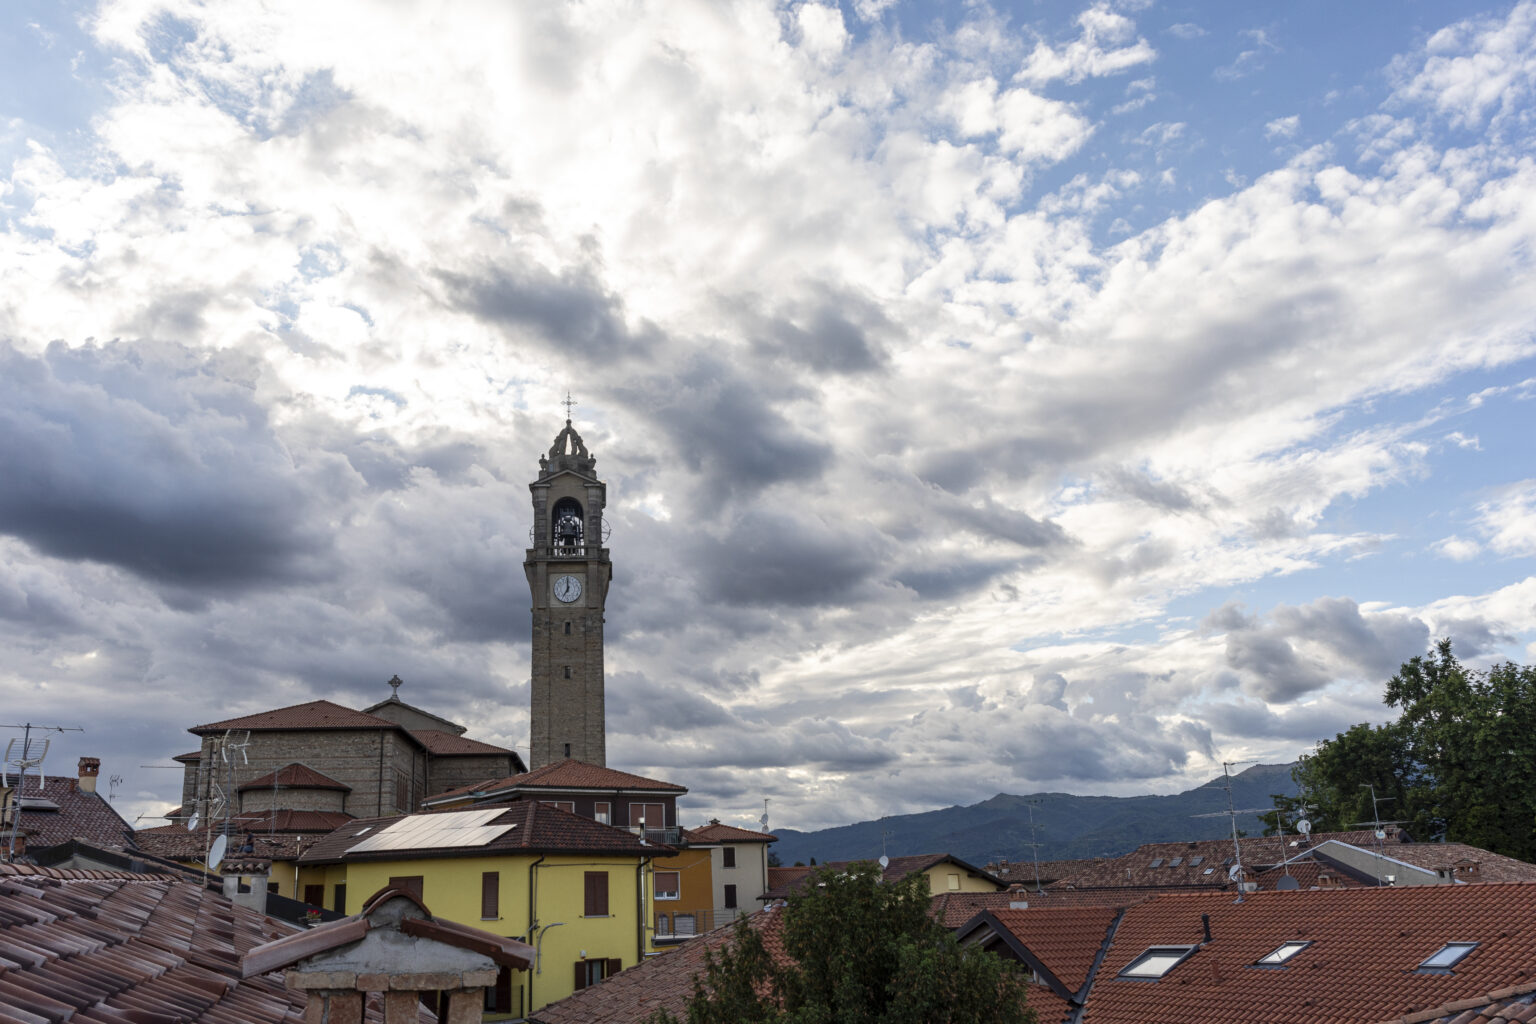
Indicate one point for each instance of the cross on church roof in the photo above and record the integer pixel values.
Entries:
(569, 404)
(394, 687)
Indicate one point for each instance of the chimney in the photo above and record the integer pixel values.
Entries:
(90, 767)
(258, 870)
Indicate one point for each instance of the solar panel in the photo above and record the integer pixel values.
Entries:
(436, 831)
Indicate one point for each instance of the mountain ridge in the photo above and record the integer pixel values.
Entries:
(1066, 826)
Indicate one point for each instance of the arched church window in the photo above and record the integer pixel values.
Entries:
(567, 523)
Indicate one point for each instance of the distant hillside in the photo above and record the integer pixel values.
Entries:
(1066, 826)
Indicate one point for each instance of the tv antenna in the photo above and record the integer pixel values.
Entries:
(113, 781)
(885, 861)
(763, 821)
(24, 755)
(1376, 823)
(1034, 845)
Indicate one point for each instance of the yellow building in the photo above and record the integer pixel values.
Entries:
(575, 890)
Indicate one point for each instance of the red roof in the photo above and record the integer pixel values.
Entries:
(316, 714)
(563, 776)
(110, 946)
(538, 828)
(782, 880)
(446, 744)
(295, 776)
(715, 832)
(59, 810)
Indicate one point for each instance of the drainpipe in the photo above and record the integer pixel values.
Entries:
(538, 952)
(533, 919)
(640, 910)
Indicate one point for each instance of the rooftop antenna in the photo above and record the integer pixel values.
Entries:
(24, 755)
(229, 747)
(1376, 823)
(1236, 873)
(885, 861)
(1034, 846)
(113, 781)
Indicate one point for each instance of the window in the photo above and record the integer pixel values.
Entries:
(1446, 957)
(567, 671)
(954, 881)
(728, 857)
(650, 815)
(272, 887)
(564, 805)
(498, 997)
(596, 894)
(590, 972)
(1207, 871)
(1281, 955)
(314, 895)
(567, 750)
(340, 906)
(1156, 962)
(490, 895)
(1176, 862)
(668, 885)
(603, 812)
(410, 883)
(730, 897)
(567, 629)
(1195, 862)
(1157, 862)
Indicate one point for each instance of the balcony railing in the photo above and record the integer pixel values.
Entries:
(680, 925)
(660, 836)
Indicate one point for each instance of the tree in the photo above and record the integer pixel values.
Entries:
(1459, 761)
(863, 951)
(773, 860)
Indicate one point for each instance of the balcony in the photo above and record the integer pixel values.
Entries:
(673, 926)
(573, 553)
(658, 836)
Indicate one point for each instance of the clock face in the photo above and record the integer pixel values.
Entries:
(567, 588)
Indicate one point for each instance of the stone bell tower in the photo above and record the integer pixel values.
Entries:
(568, 575)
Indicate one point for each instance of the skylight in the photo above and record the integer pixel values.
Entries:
(1157, 862)
(1176, 862)
(1156, 962)
(1448, 956)
(1284, 953)
(1195, 862)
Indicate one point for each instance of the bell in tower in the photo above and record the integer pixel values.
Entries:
(568, 576)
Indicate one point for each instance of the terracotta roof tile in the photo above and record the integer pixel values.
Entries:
(446, 744)
(539, 828)
(174, 842)
(192, 755)
(295, 776)
(715, 832)
(100, 947)
(563, 776)
(62, 811)
(1361, 966)
(315, 714)
(781, 881)
(1489, 866)
(953, 909)
(1201, 863)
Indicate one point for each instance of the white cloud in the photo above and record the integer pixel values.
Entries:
(1282, 127)
(1108, 45)
(1479, 68)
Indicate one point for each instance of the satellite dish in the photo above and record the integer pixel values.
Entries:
(885, 862)
(216, 855)
(192, 822)
(1381, 834)
(1304, 827)
(1235, 872)
(1287, 883)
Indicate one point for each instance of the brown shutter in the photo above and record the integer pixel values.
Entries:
(730, 897)
(314, 895)
(581, 975)
(596, 903)
(490, 895)
(615, 965)
(410, 883)
(503, 991)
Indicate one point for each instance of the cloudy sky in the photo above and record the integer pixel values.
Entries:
(992, 396)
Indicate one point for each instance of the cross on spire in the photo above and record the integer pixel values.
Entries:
(569, 404)
(394, 687)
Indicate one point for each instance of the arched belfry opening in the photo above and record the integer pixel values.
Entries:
(566, 526)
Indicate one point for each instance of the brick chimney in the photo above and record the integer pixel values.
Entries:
(90, 767)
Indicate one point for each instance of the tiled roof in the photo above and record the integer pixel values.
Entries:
(953, 909)
(453, 726)
(79, 815)
(193, 755)
(1066, 940)
(1491, 867)
(174, 842)
(658, 983)
(781, 881)
(446, 744)
(1361, 966)
(715, 832)
(1202, 863)
(316, 714)
(109, 947)
(1514, 1005)
(295, 776)
(539, 828)
(560, 776)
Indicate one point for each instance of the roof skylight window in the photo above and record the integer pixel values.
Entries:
(1176, 862)
(1208, 871)
(1156, 962)
(1446, 957)
(1157, 862)
(1284, 953)
(1195, 862)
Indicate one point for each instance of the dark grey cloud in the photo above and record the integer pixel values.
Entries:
(769, 557)
(829, 331)
(724, 427)
(1343, 642)
(570, 314)
(1050, 745)
(652, 709)
(951, 576)
(152, 458)
(807, 742)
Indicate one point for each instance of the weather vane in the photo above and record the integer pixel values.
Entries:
(569, 404)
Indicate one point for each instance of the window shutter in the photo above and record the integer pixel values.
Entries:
(596, 893)
(728, 857)
(730, 897)
(490, 895)
(615, 965)
(581, 975)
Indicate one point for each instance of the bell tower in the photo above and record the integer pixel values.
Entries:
(568, 575)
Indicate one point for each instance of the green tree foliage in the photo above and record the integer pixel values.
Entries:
(864, 951)
(1460, 760)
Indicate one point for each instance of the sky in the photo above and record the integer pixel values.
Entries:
(992, 397)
